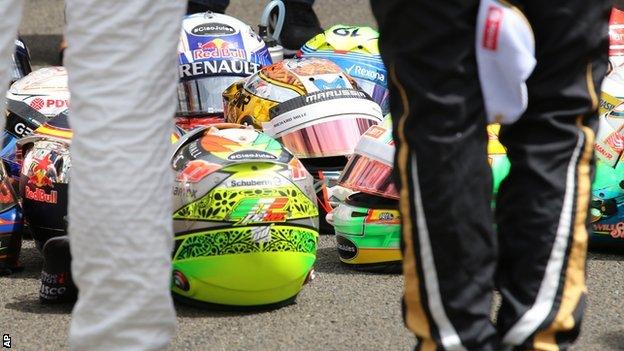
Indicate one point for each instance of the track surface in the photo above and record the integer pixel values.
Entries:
(340, 310)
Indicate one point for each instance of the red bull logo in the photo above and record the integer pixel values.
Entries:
(39, 172)
(41, 196)
(218, 48)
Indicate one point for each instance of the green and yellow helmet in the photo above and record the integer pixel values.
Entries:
(245, 219)
(368, 232)
(367, 223)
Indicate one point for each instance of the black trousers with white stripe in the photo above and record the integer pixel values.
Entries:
(453, 258)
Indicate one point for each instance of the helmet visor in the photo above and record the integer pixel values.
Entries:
(203, 96)
(327, 139)
(323, 124)
(368, 176)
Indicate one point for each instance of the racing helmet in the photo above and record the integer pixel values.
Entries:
(369, 169)
(367, 223)
(312, 106)
(44, 178)
(245, 220)
(20, 63)
(355, 49)
(607, 206)
(368, 232)
(214, 51)
(10, 225)
(31, 102)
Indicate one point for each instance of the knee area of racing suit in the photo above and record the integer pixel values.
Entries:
(56, 280)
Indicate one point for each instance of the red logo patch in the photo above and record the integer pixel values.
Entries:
(37, 103)
(492, 28)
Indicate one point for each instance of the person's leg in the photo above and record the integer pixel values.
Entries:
(544, 202)
(449, 248)
(122, 69)
(10, 15)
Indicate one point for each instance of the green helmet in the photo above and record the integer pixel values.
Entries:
(368, 232)
(367, 225)
(607, 205)
(245, 219)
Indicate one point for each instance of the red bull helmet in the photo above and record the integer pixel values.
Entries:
(355, 49)
(314, 108)
(31, 102)
(245, 220)
(44, 178)
(214, 51)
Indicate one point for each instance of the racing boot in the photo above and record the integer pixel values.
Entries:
(198, 6)
(57, 285)
(300, 25)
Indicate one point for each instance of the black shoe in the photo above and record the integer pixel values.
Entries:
(300, 25)
(203, 6)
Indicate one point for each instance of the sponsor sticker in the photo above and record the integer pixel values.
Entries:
(217, 68)
(41, 195)
(258, 210)
(261, 234)
(39, 172)
(253, 182)
(251, 155)
(323, 84)
(383, 216)
(41, 103)
(346, 248)
(615, 230)
(218, 48)
(375, 132)
(195, 171)
(208, 29)
(360, 71)
(37, 103)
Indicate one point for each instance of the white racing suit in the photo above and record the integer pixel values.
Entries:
(122, 76)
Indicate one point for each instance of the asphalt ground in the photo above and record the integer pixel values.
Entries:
(340, 310)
